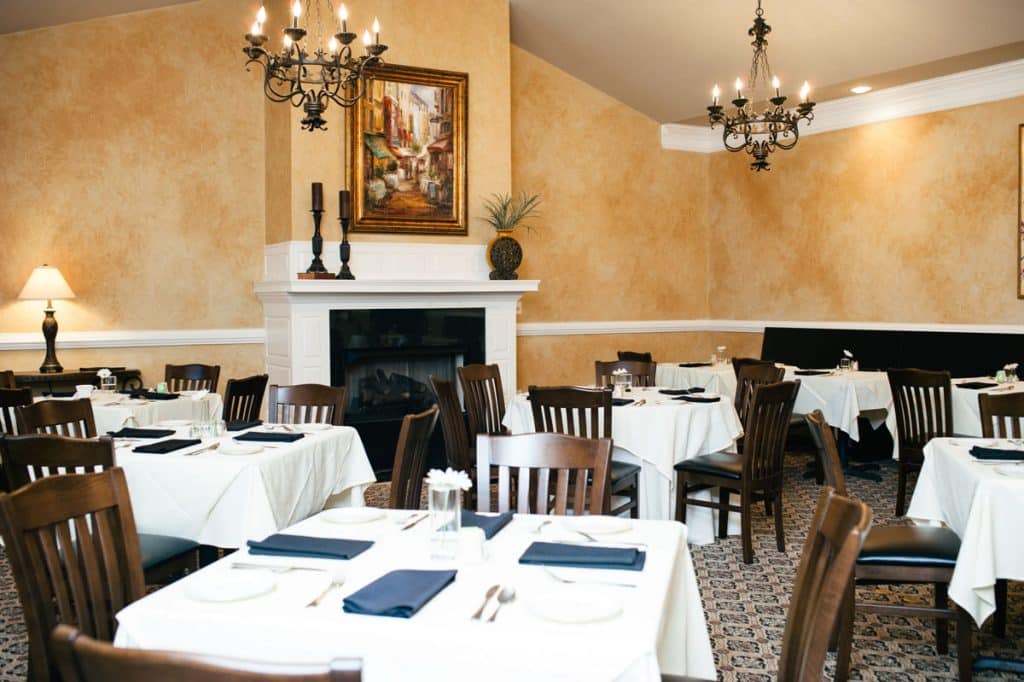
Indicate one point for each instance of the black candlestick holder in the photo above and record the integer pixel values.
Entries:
(345, 250)
(317, 265)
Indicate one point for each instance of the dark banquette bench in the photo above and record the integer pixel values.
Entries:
(964, 354)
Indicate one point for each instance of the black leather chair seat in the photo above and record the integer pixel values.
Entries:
(156, 549)
(919, 546)
(621, 470)
(725, 464)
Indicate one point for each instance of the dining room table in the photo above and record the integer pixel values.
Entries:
(717, 377)
(534, 620)
(660, 430)
(967, 409)
(221, 491)
(113, 410)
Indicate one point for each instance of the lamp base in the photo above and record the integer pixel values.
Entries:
(51, 367)
(50, 364)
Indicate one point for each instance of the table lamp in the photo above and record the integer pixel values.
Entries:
(47, 284)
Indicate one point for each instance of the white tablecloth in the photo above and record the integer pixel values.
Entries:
(967, 411)
(224, 500)
(661, 627)
(660, 433)
(112, 411)
(719, 378)
(984, 507)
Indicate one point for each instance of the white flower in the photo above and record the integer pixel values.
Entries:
(103, 373)
(449, 478)
(620, 371)
(847, 353)
(1012, 367)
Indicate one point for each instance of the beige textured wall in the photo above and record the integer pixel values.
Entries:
(911, 220)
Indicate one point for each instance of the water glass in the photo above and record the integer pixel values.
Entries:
(720, 354)
(444, 503)
(108, 384)
(845, 364)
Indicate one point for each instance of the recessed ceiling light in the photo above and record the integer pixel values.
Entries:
(860, 89)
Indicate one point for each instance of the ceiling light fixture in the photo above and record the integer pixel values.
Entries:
(775, 128)
(312, 79)
(860, 89)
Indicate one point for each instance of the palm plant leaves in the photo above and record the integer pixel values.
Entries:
(505, 212)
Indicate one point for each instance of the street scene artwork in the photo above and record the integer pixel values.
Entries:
(408, 152)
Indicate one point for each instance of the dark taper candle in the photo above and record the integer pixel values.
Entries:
(345, 204)
(318, 196)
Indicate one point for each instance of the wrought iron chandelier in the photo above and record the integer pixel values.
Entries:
(775, 127)
(311, 77)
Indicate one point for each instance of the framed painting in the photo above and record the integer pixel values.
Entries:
(1020, 211)
(407, 152)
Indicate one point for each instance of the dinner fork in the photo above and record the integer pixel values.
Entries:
(273, 568)
(201, 451)
(569, 581)
(591, 538)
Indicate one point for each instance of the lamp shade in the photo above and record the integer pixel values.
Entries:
(45, 284)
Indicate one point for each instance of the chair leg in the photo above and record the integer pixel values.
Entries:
(965, 659)
(681, 497)
(901, 489)
(999, 619)
(845, 628)
(780, 532)
(941, 624)
(767, 506)
(748, 545)
(723, 512)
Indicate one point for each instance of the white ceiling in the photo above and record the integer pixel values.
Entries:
(661, 57)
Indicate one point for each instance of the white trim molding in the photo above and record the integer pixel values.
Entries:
(128, 338)
(977, 86)
(745, 326)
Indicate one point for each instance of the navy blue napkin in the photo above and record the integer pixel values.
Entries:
(150, 395)
(619, 402)
(398, 594)
(59, 394)
(583, 556)
(281, 544)
(681, 391)
(976, 384)
(268, 437)
(698, 398)
(128, 432)
(242, 425)
(694, 364)
(165, 446)
(995, 454)
(811, 372)
(490, 524)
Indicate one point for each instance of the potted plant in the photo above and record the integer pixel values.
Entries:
(504, 214)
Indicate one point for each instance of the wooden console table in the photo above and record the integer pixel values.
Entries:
(47, 381)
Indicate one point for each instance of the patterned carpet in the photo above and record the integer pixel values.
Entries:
(745, 605)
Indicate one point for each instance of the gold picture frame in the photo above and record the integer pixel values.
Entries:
(407, 152)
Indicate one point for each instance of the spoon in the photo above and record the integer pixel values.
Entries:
(491, 591)
(507, 594)
(337, 581)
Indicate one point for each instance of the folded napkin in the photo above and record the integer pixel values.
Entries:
(59, 394)
(698, 398)
(694, 364)
(811, 372)
(995, 454)
(977, 384)
(305, 546)
(150, 395)
(128, 432)
(489, 524)
(681, 391)
(242, 425)
(619, 402)
(398, 594)
(165, 446)
(268, 437)
(583, 556)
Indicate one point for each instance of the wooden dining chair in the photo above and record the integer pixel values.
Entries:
(458, 453)
(740, 363)
(578, 463)
(28, 458)
(756, 473)
(194, 377)
(243, 398)
(635, 356)
(10, 400)
(484, 398)
(643, 372)
(60, 417)
(815, 605)
(411, 459)
(7, 379)
(74, 554)
(924, 410)
(750, 376)
(80, 658)
(896, 555)
(587, 413)
(307, 404)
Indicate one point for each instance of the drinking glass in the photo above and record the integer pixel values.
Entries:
(108, 384)
(620, 382)
(720, 354)
(444, 503)
(845, 364)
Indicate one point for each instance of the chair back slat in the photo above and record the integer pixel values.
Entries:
(453, 425)
(750, 376)
(60, 417)
(7, 379)
(574, 411)
(194, 377)
(10, 400)
(62, 534)
(828, 453)
(307, 404)
(826, 568)
(587, 459)
(243, 398)
(923, 404)
(1001, 414)
(643, 372)
(411, 459)
(765, 431)
(484, 397)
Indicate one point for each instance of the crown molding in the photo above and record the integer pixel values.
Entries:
(745, 326)
(139, 338)
(977, 86)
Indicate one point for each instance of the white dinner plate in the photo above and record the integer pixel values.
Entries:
(1010, 470)
(225, 586)
(597, 525)
(572, 604)
(309, 428)
(233, 448)
(174, 423)
(970, 443)
(194, 394)
(348, 515)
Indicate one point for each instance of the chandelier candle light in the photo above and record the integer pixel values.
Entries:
(312, 75)
(775, 128)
